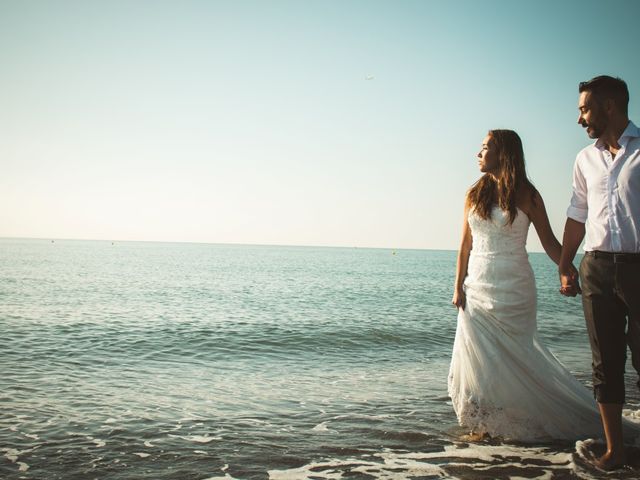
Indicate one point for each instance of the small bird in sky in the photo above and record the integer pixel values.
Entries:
(369, 77)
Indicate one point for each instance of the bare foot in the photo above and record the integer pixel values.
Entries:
(474, 437)
(611, 461)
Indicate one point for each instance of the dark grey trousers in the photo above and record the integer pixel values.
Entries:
(611, 302)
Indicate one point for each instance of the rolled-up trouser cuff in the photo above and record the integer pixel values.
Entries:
(609, 394)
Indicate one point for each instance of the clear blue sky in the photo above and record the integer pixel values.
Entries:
(254, 122)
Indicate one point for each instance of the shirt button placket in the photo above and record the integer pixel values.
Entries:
(611, 204)
(616, 241)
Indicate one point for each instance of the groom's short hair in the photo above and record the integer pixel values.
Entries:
(604, 87)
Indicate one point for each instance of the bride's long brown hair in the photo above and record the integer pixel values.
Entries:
(500, 187)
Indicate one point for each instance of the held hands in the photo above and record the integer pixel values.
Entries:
(569, 281)
(459, 298)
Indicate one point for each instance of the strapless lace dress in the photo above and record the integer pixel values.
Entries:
(502, 380)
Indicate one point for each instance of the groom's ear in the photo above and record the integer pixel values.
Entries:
(610, 106)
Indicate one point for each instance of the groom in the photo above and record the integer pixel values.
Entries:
(606, 207)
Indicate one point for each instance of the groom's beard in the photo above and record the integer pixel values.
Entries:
(592, 130)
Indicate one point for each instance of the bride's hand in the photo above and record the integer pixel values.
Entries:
(459, 299)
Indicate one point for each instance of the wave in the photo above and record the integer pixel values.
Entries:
(237, 340)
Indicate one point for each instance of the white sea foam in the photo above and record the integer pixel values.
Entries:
(330, 469)
(12, 454)
(321, 427)
(488, 453)
(98, 442)
(453, 462)
(306, 471)
(631, 415)
(147, 443)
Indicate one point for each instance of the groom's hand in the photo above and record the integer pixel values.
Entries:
(569, 281)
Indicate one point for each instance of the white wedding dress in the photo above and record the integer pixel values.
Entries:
(502, 380)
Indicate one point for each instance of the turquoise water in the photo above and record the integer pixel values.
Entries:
(133, 360)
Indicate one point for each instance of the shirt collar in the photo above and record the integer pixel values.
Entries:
(630, 132)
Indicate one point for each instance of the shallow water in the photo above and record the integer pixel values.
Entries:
(191, 361)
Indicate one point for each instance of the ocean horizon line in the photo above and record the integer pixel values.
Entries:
(234, 244)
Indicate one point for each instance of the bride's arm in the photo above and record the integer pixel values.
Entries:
(538, 216)
(459, 298)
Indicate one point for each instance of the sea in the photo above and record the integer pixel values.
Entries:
(135, 360)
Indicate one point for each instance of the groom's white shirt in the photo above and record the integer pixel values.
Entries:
(606, 194)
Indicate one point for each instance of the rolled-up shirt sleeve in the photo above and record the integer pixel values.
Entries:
(578, 207)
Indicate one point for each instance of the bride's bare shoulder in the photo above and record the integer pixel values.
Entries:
(528, 198)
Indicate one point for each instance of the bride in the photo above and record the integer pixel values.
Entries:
(503, 382)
